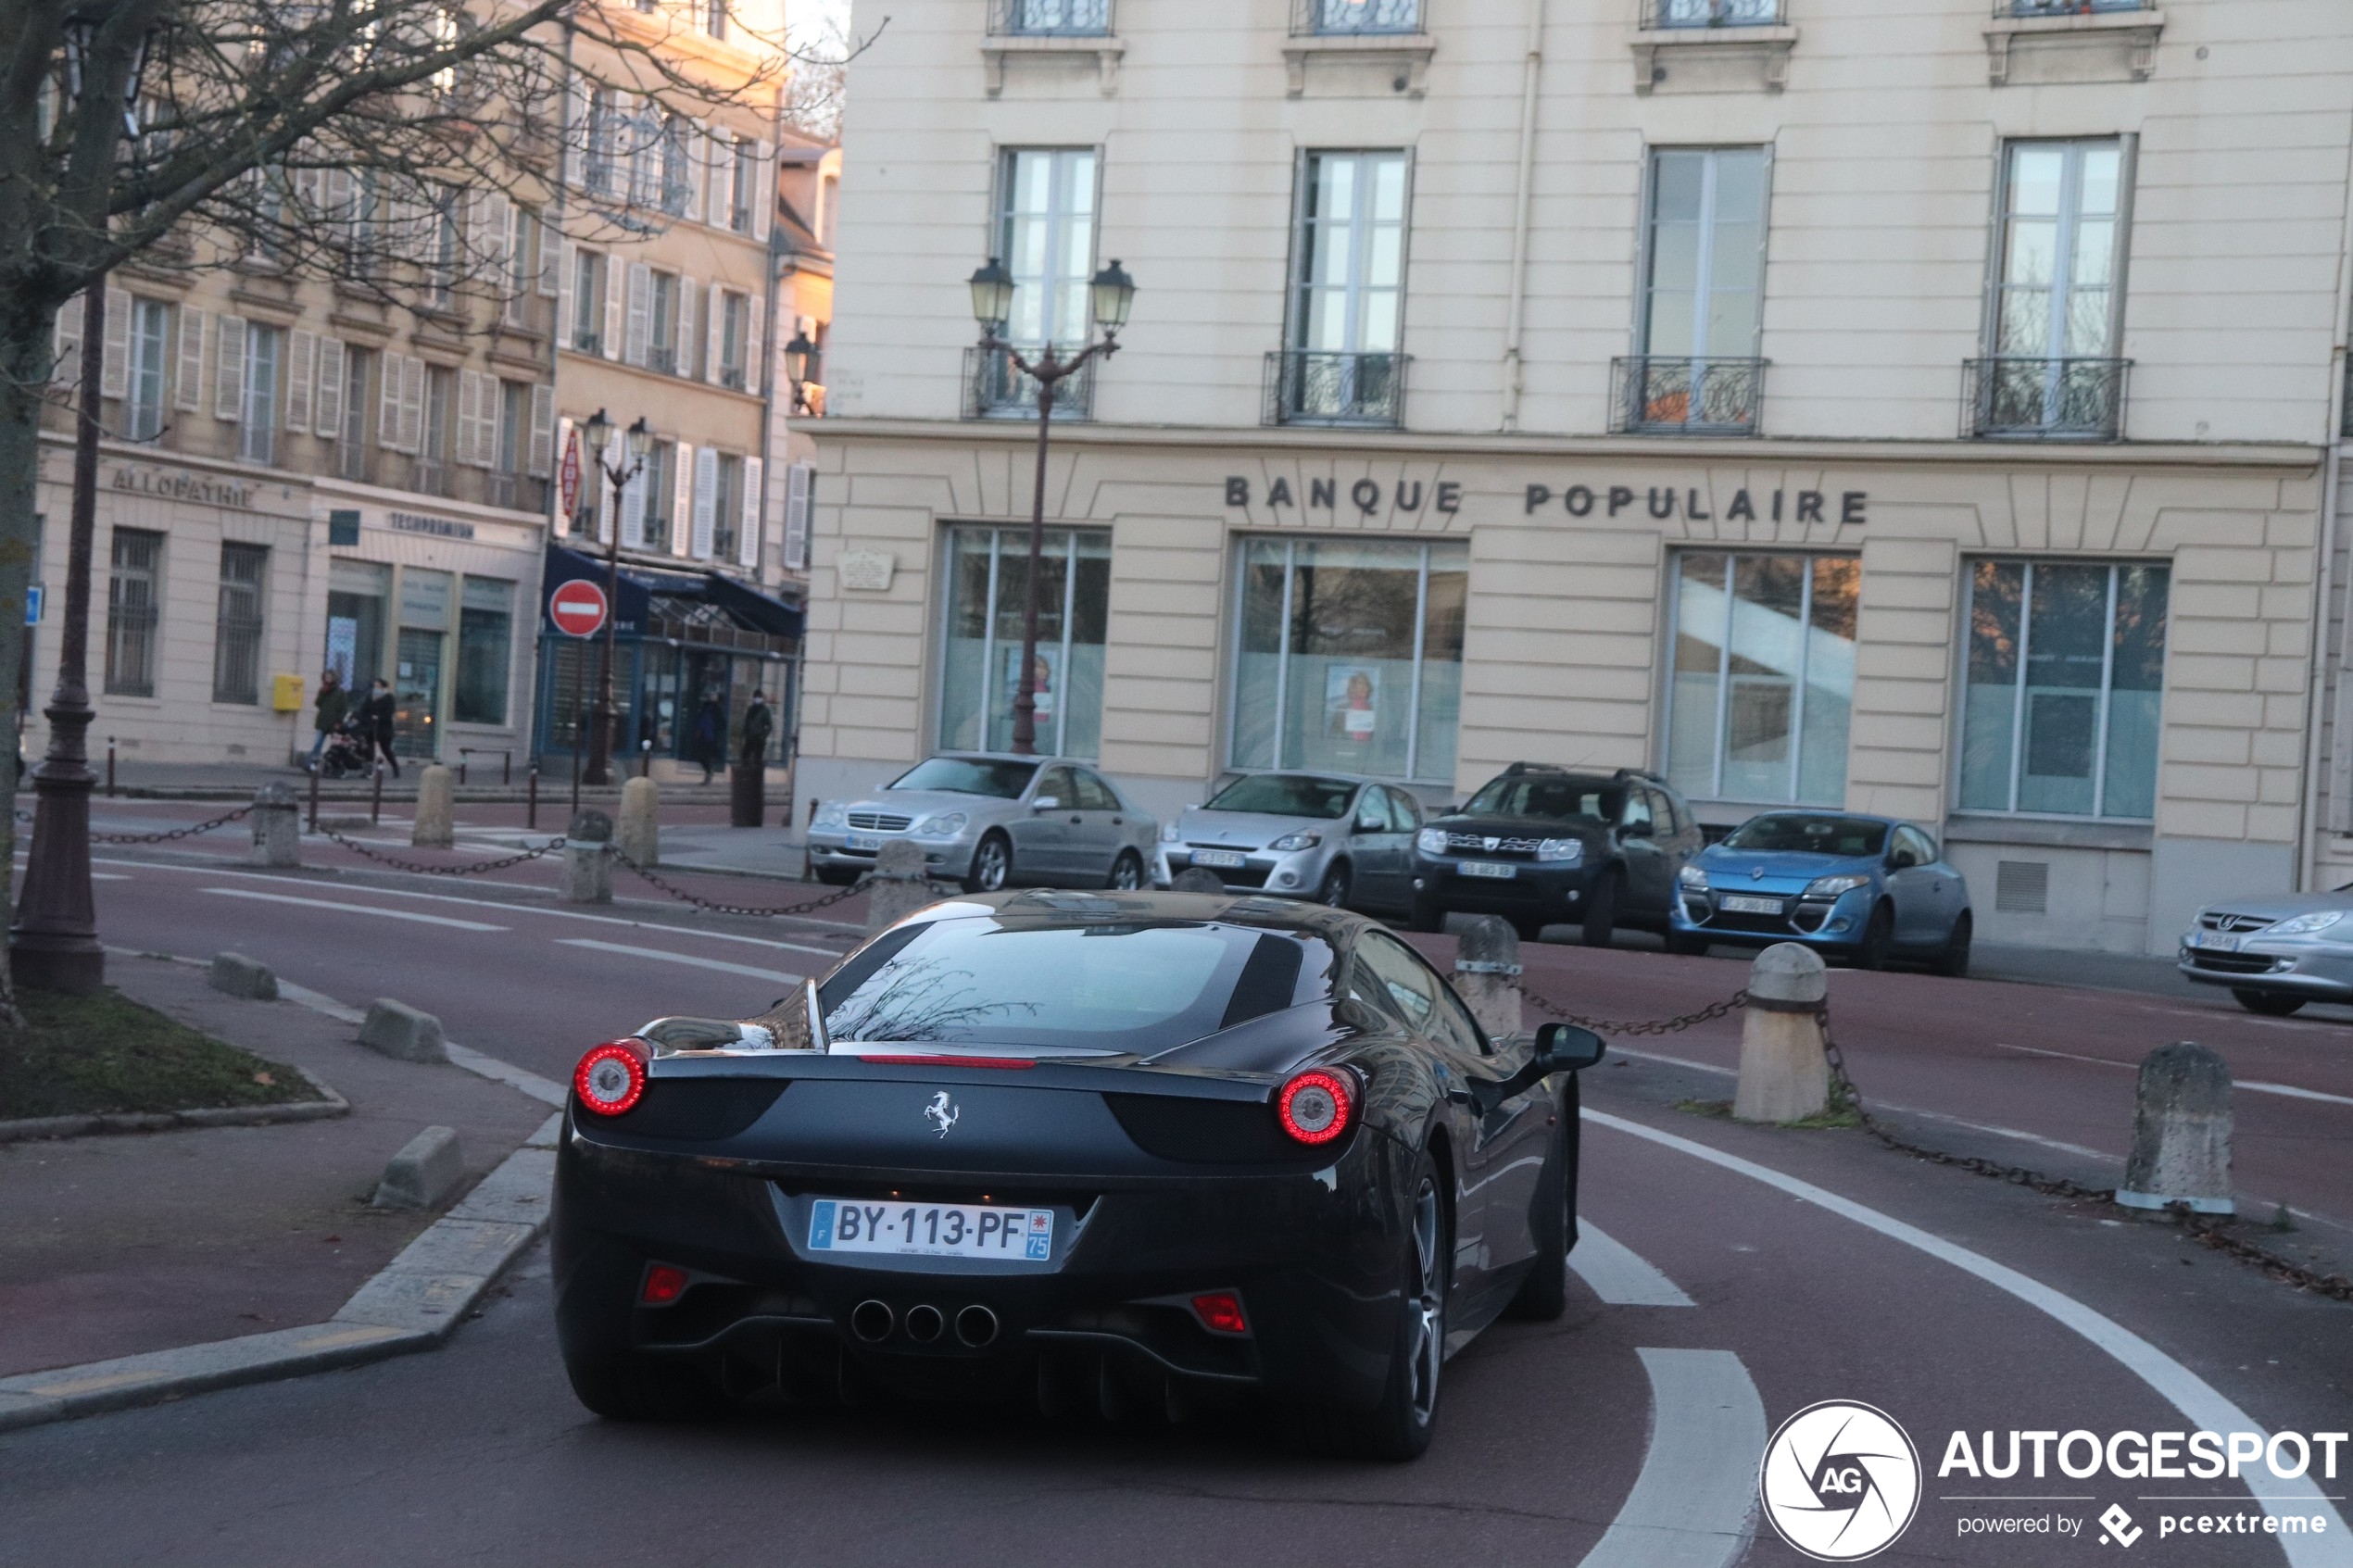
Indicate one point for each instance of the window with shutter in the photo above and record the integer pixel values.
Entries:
(763, 195)
(800, 482)
(706, 501)
(611, 342)
(641, 284)
(229, 370)
(469, 442)
(188, 390)
(714, 349)
(328, 406)
(683, 337)
(66, 368)
(301, 351)
(114, 372)
(682, 500)
(542, 463)
(633, 511)
(755, 368)
(389, 396)
(748, 535)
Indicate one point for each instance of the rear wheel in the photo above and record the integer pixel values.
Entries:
(1685, 943)
(2269, 1003)
(1872, 952)
(836, 876)
(1427, 914)
(1543, 1295)
(620, 1386)
(1601, 912)
(1399, 1428)
(1126, 872)
(1333, 891)
(992, 865)
(1954, 959)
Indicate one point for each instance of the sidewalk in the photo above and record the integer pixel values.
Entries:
(237, 781)
(123, 1243)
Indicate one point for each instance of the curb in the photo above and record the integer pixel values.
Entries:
(329, 1103)
(414, 1303)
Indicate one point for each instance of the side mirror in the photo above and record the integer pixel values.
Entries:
(1046, 803)
(1365, 824)
(1565, 1047)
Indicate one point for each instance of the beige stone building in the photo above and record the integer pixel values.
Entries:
(1928, 408)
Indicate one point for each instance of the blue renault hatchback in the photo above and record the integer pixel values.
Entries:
(1863, 889)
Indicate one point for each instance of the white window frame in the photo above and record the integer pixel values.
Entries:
(258, 404)
(1362, 231)
(1061, 213)
(1703, 292)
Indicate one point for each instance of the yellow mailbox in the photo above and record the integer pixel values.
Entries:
(286, 694)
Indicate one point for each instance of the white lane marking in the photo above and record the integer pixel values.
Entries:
(352, 909)
(2256, 1084)
(1619, 1274)
(1695, 1503)
(2198, 1400)
(108, 876)
(510, 909)
(722, 966)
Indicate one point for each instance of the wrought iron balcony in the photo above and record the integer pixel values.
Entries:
(2067, 8)
(1662, 14)
(1310, 387)
(995, 390)
(1324, 17)
(1050, 18)
(1659, 397)
(2044, 399)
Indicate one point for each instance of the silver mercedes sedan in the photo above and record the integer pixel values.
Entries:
(2276, 952)
(992, 820)
(1338, 839)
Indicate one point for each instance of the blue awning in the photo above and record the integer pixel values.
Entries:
(641, 585)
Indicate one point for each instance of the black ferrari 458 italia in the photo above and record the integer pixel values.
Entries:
(1133, 1151)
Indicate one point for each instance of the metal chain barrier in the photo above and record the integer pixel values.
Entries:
(1845, 1096)
(474, 870)
(168, 833)
(713, 906)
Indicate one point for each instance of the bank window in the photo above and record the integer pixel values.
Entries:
(1047, 234)
(485, 640)
(256, 440)
(1349, 656)
(1347, 292)
(236, 646)
(1698, 369)
(135, 601)
(1760, 699)
(2065, 679)
(988, 577)
(150, 324)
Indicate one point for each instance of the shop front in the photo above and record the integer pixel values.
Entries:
(2083, 668)
(692, 650)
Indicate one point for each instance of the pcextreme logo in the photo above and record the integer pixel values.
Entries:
(1841, 1481)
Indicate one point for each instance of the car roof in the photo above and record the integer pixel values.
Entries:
(1333, 773)
(1057, 906)
(1833, 812)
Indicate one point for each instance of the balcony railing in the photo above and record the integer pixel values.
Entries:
(662, 357)
(995, 390)
(2067, 8)
(1660, 14)
(1314, 17)
(1050, 18)
(2047, 399)
(1311, 387)
(1659, 397)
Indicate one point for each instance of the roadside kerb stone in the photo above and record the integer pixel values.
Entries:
(400, 1031)
(277, 827)
(436, 822)
(1785, 1074)
(241, 976)
(96, 1387)
(439, 1276)
(2182, 1124)
(425, 1172)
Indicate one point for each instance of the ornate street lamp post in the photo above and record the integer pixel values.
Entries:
(1112, 293)
(598, 434)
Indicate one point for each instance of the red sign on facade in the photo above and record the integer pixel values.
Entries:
(568, 473)
(578, 608)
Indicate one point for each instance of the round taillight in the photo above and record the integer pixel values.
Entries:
(612, 1078)
(1315, 1106)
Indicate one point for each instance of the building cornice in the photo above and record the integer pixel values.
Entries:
(1296, 439)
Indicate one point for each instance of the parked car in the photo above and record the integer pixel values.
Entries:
(1858, 887)
(1339, 840)
(992, 820)
(1544, 845)
(2277, 951)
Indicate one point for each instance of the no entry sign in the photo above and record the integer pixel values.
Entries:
(578, 608)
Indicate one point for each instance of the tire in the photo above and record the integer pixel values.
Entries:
(1954, 959)
(1332, 893)
(1427, 914)
(1399, 1428)
(1871, 951)
(1686, 944)
(1126, 872)
(1531, 929)
(2269, 1003)
(992, 865)
(1543, 1295)
(836, 876)
(628, 1388)
(1601, 911)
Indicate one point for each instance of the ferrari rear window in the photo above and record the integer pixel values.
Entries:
(1820, 834)
(1140, 988)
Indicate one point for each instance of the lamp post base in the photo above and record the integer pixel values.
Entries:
(54, 945)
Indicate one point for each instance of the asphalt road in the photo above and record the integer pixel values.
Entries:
(1807, 1267)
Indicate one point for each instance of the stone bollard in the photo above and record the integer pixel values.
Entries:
(436, 810)
(1785, 1076)
(588, 859)
(400, 1031)
(1198, 879)
(277, 826)
(1487, 975)
(638, 834)
(241, 976)
(2180, 1133)
(898, 888)
(425, 1172)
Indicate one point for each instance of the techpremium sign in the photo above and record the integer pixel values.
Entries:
(1840, 1481)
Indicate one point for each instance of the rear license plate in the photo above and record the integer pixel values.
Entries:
(1488, 869)
(2214, 942)
(1223, 859)
(865, 841)
(1742, 904)
(931, 1230)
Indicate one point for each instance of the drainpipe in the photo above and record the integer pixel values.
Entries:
(1515, 328)
(2327, 662)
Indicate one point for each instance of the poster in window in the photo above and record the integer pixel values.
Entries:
(1351, 702)
(1050, 669)
(343, 643)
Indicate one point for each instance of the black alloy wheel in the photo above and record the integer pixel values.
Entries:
(1600, 910)
(1126, 872)
(1954, 959)
(1399, 1428)
(1333, 893)
(992, 865)
(2271, 1004)
(1872, 952)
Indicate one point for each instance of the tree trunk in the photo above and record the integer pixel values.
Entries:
(26, 337)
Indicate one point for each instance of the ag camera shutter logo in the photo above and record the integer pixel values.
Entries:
(1841, 1481)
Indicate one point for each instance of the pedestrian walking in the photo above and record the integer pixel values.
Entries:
(759, 727)
(375, 726)
(333, 702)
(710, 736)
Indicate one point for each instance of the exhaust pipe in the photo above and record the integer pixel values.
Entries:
(925, 1324)
(976, 1326)
(872, 1320)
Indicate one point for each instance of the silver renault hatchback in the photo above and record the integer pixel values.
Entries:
(1333, 837)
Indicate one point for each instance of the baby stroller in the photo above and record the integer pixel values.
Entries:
(345, 755)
